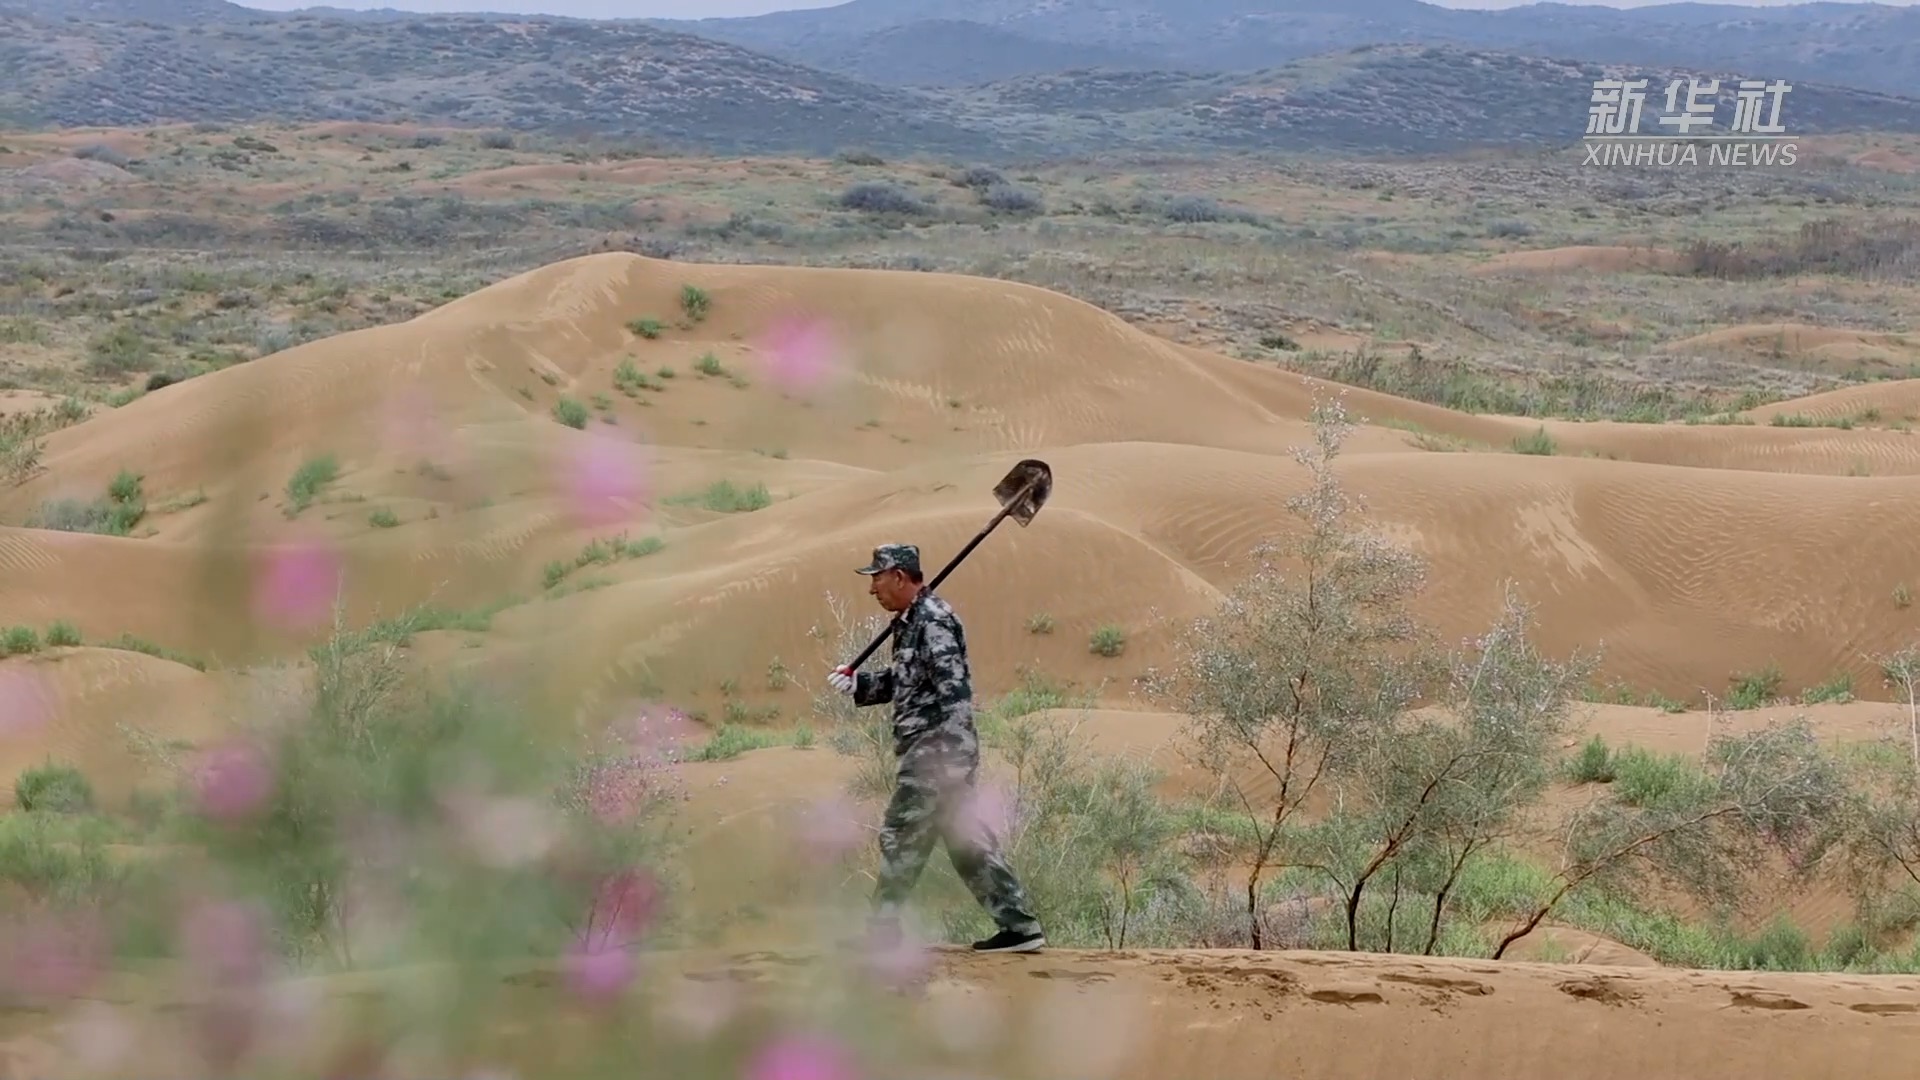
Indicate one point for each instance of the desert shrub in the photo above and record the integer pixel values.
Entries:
(977, 177)
(45, 861)
(875, 197)
(1008, 199)
(726, 497)
(570, 412)
(1195, 209)
(115, 515)
(695, 302)
(18, 641)
(60, 789)
(1536, 441)
(1593, 764)
(1107, 640)
(63, 634)
(377, 803)
(309, 479)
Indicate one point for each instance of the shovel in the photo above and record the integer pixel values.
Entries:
(1021, 494)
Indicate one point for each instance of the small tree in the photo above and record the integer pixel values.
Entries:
(1435, 791)
(1879, 849)
(1773, 791)
(1288, 685)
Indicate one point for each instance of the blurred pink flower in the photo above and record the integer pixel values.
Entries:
(623, 907)
(605, 479)
(233, 780)
(297, 585)
(25, 702)
(225, 942)
(802, 1057)
(802, 351)
(598, 970)
(55, 955)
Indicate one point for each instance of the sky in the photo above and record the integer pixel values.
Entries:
(691, 9)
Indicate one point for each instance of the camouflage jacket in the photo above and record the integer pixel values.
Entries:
(927, 680)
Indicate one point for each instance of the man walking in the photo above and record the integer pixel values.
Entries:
(930, 685)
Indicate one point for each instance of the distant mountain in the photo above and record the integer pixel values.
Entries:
(552, 75)
(634, 79)
(1869, 46)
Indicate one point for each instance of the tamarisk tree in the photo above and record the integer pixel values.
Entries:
(1287, 683)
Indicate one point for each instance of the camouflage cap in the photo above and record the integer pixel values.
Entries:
(893, 557)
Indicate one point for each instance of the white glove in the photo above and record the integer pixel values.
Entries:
(841, 679)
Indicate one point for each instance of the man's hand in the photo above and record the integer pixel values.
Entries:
(841, 679)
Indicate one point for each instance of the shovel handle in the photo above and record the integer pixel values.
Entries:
(854, 664)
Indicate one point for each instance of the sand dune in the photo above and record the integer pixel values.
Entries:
(1169, 465)
(1823, 347)
(1867, 404)
(1690, 552)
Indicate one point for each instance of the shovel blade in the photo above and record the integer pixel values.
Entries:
(1024, 490)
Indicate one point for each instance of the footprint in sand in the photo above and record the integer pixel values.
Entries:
(1885, 1008)
(1764, 999)
(1334, 995)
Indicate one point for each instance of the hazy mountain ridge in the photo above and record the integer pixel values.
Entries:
(1870, 46)
(634, 79)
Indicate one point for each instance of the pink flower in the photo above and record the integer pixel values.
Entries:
(25, 702)
(802, 352)
(297, 585)
(226, 943)
(802, 1057)
(623, 907)
(233, 781)
(598, 971)
(605, 479)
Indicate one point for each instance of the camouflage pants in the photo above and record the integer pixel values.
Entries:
(933, 799)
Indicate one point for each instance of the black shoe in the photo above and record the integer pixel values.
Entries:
(1011, 941)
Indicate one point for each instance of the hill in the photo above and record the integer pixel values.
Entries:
(552, 75)
(1868, 46)
(633, 81)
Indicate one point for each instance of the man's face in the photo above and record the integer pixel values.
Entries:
(892, 589)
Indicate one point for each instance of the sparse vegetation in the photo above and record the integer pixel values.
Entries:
(601, 553)
(695, 302)
(1108, 641)
(724, 497)
(570, 412)
(309, 480)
